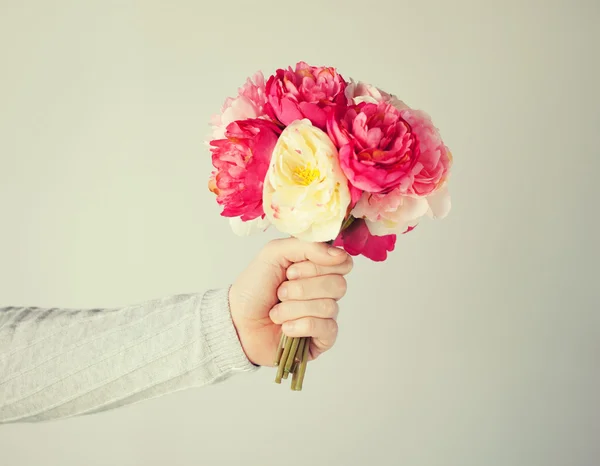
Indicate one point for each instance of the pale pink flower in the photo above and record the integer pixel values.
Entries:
(249, 103)
(358, 92)
(395, 212)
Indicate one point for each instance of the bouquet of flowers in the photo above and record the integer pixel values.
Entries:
(325, 159)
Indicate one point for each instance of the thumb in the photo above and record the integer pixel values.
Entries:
(284, 252)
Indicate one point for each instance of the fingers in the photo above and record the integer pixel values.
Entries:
(323, 287)
(285, 252)
(308, 269)
(293, 310)
(323, 332)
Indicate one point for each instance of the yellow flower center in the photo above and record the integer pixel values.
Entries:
(306, 175)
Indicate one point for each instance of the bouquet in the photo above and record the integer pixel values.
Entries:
(325, 159)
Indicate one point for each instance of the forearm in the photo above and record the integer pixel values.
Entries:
(57, 363)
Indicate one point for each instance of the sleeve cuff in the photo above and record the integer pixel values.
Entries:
(220, 334)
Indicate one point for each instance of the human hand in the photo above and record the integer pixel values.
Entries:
(292, 284)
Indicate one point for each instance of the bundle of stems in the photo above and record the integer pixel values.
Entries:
(292, 358)
(292, 352)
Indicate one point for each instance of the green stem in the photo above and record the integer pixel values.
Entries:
(302, 368)
(292, 354)
(280, 349)
(284, 356)
(349, 221)
(297, 358)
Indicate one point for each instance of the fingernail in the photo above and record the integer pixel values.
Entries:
(283, 292)
(335, 251)
(293, 273)
(273, 314)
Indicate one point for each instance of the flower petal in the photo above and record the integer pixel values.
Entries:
(439, 203)
(250, 227)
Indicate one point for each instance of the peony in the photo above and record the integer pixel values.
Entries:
(306, 194)
(396, 213)
(250, 227)
(241, 161)
(357, 239)
(248, 104)
(432, 156)
(304, 92)
(359, 92)
(383, 148)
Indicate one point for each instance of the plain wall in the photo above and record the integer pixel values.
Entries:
(476, 344)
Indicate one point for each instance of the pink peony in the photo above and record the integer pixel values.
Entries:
(249, 103)
(241, 161)
(383, 148)
(395, 213)
(306, 92)
(357, 240)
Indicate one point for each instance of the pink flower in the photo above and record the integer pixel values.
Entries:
(241, 161)
(383, 148)
(306, 92)
(249, 103)
(357, 240)
(395, 213)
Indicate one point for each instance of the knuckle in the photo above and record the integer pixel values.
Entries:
(329, 308)
(350, 263)
(311, 326)
(333, 327)
(341, 286)
(314, 269)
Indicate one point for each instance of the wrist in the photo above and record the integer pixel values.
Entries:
(220, 334)
(236, 311)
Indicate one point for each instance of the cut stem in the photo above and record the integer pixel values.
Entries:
(295, 376)
(284, 356)
(280, 349)
(292, 354)
(302, 368)
(297, 359)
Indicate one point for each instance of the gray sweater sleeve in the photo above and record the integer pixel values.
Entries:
(59, 363)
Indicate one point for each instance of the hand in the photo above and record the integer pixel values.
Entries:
(304, 305)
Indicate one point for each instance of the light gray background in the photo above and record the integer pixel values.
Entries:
(483, 347)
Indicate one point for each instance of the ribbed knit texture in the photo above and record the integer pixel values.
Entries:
(59, 363)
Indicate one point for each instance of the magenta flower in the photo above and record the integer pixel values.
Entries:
(304, 92)
(241, 161)
(383, 148)
(357, 240)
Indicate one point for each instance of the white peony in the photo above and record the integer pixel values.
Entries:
(306, 194)
(358, 92)
(250, 227)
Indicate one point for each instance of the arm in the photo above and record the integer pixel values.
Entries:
(57, 363)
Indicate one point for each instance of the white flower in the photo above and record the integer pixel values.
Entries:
(305, 193)
(358, 92)
(250, 227)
